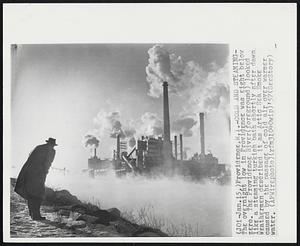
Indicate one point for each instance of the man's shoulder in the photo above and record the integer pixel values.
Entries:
(45, 147)
(41, 146)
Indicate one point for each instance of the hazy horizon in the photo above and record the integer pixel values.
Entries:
(67, 91)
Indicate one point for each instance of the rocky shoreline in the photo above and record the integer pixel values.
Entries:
(66, 216)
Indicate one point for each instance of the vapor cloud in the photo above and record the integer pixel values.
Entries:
(203, 90)
(150, 125)
(110, 123)
(184, 125)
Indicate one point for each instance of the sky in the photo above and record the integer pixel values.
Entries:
(69, 91)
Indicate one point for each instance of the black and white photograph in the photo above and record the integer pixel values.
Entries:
(120, 140)
(149, 123)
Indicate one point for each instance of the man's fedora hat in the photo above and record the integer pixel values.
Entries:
(51, 141)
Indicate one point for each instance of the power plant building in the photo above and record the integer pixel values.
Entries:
(156, 153)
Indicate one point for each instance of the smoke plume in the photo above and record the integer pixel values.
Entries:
(184, 125)
(91, 141)
(115, 125)
(203, 90)
(149, 124)
(131, 142)
(129, 132)
(110, 123)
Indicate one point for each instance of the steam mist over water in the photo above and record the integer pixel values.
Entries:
(204, 206)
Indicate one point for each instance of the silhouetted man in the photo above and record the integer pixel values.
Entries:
(31, 180)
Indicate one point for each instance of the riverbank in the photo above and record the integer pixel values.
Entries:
(66, 216)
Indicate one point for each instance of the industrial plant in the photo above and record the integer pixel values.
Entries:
(159, 155)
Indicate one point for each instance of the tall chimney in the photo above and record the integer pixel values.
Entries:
(202, 141)
(167, 146)
(95, 152)
(166, 112)
(118, 146)
(181, 147)
(175, 146)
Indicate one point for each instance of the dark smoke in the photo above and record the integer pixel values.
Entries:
(91, 141)
(184, 126)
(131, 142)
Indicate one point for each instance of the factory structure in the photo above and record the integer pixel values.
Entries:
(160, 155)
(96, 166)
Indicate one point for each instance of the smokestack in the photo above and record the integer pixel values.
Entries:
(175, 146)
(167, 146)
(166, 112)
(118, 146)
(95, 152)
(202, 141)
(181, 147)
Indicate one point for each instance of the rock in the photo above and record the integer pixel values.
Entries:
(64, 197)
(64, 212)
(62, 220)
(80, 208)
(88, 218)
(145, 231)
(57, 208)
(91, 208)
(114, 211)
(108, 231)
(74, 215)
(76, 224)
(100, 227)
(124, 227)
(103, 216)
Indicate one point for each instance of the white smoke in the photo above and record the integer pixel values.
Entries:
(213, 93)
(150, 125)
(158, 69)
(203, 90)
(110, 123)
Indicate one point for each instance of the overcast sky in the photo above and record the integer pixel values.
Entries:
(58, 91)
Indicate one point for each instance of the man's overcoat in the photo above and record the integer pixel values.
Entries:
(31, 179)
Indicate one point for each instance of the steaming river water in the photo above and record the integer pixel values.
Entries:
(193, 208)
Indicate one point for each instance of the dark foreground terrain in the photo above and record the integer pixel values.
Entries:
(66, 216)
